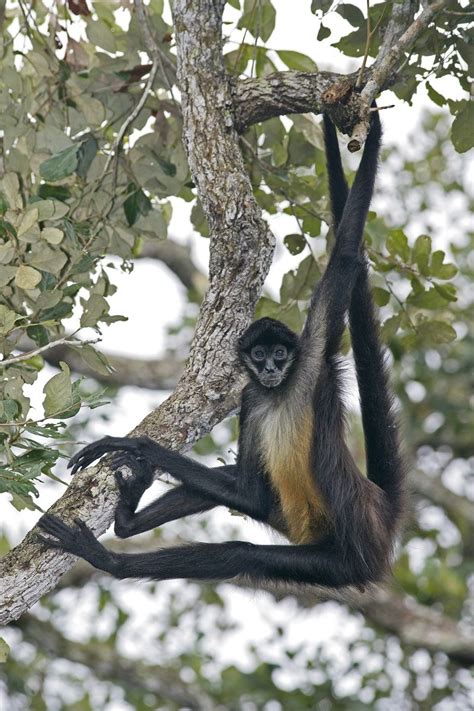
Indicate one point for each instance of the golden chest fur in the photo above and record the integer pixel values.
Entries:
(285, 436)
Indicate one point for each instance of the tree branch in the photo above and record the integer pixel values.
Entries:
(241, 252)
(387, 62)
(107, 664)
(159, 374)
(279, 94)
(414, 624)
(177, 257)
(282, 93)
(458, 508)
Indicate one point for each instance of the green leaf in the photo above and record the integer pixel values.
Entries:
(94, 309)
(427, 299)
(435, 97)
(297, 60)
(295, 243)
(352, 14)
(462, 134)
(27, 277)
(440, 270)
(28, 222)
(59, 400)
(38, 334)
(96, 360)
(381, 296)
(52, 235)
(258, 18)
(7, 319)
(46, 258)
(390, 327)
(397, 244)
(60, 165)
(59, 192)
(135, 205)
(85, 155)
(436, 331)
(51, 209)
(4, 651)
(323, 33)
(99, 34)
(9, 409)
(447, 291)
(421, 253)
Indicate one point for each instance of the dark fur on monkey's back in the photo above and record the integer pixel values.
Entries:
(294, 470)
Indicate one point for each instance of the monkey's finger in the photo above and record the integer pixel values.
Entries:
(49, 542)
(94, 451)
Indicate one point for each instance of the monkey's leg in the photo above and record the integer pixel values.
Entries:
(320, 564)
(176, 503)
(224, 489)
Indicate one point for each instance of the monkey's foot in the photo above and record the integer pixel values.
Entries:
(137, 482)
(78, 540)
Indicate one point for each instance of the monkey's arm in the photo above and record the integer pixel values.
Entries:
(332, 296)
(385, 466)
(223, 488)
(338, 187)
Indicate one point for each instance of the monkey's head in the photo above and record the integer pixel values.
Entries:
(268, 351)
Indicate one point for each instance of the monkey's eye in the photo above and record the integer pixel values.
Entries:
(280, 353)
(257, 353)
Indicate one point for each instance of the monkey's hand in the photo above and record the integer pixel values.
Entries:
(135, 484)
(94, 451)
(78, 540)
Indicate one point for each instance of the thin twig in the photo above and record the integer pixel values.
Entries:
(367, 47)
(130, 118)
(37, 351)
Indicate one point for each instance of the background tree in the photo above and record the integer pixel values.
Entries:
(93, 164)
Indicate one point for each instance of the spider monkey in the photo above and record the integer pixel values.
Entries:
(294, 471)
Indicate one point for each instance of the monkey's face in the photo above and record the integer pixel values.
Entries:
(269, 364)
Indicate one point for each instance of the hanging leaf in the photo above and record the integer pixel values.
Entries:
(298, 61)
(61, 165)
(294, 243)
(462, 134)
(258, 18)
(27, 277)
(59, 401)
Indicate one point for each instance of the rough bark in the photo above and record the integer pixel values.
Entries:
(279, 94)
(241, 253)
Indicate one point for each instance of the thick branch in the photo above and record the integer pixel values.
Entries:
(278, 94)
(107, 664)
(160, 374)
(458, 508)
(241, 252)
(177, 257)
(298, 92)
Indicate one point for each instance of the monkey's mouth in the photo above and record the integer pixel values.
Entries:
(271, 381)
